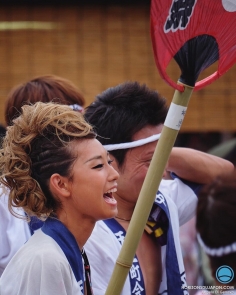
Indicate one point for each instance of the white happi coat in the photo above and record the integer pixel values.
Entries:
(103, 248)
(40, 267)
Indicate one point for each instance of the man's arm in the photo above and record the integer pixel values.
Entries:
(197, 166)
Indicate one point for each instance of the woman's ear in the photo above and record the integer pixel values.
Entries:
(59, 186)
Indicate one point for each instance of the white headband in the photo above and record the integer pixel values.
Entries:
(221, 251)
(132, 144)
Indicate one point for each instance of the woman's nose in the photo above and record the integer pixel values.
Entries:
(115, 174)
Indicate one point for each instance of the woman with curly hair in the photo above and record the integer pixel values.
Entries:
(57, 171)
(14, 232)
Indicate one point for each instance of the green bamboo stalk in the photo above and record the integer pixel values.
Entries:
(146, 198)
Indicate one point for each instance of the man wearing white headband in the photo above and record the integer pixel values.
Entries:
(128, 120)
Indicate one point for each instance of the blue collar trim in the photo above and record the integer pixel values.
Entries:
(64, 238)
(135, 273)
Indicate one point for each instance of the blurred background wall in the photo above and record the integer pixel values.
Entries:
(98, 44)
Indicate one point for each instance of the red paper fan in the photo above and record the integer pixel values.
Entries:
(196, 33)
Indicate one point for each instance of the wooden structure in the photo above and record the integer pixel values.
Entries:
(96, 47)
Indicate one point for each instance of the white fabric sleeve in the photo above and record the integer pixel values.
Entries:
(14, 232)
(183, 196)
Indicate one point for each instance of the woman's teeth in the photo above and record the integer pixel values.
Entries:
(112, 190)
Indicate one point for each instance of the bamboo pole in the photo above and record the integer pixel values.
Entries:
(147, 196)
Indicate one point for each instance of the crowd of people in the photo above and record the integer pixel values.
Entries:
(70, 179)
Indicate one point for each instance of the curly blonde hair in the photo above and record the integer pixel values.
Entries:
(38, 145)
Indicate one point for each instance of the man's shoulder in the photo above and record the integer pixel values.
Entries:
(102, 238)
(176, 187)
(101, 226)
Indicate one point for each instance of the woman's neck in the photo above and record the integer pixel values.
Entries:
(81, 228)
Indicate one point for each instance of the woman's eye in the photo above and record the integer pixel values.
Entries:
(98, 166)
(102, 165)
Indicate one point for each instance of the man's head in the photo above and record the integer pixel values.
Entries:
(120, 112)
(126, 113)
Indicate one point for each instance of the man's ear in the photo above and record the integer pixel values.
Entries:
(59, 186)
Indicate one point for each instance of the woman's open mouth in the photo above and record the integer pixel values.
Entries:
(108, 196)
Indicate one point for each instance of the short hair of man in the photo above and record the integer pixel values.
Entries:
(121, 111)
(44, 88)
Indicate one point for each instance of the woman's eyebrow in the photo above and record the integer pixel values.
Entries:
(94, 158)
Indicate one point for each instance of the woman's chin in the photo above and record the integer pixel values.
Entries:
(111, 214)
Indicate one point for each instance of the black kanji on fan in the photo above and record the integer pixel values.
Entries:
(179, 14)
